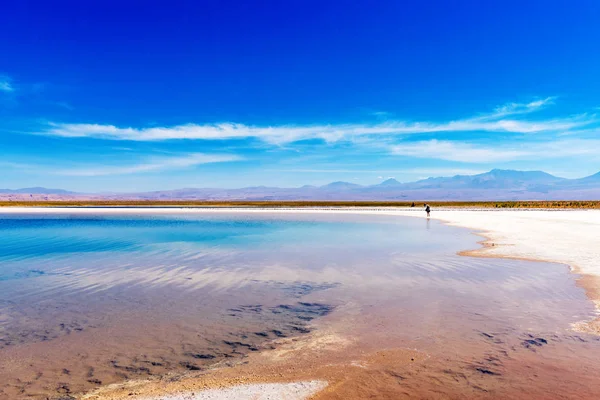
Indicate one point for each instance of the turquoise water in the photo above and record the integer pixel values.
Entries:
(27, 237)
(57, 255)
(37, 247)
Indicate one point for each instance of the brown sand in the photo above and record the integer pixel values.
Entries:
(362, 365)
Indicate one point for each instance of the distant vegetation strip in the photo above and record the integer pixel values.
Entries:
(280, 204)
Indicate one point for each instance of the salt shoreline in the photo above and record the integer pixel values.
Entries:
(255, 391)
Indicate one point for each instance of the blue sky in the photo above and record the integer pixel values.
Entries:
(141, 95)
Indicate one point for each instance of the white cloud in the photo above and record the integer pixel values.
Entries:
(14, 165)
(483, 154)
(521, 108)
(496, 121)
(432, 171)
(5, 84)
(381, 114)
(567, 148)
(273, 134)
(149, 165)
(448, 171)
(330, 133)
(456, 151)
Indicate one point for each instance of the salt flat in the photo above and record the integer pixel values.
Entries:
(571, 237)
(258, 391)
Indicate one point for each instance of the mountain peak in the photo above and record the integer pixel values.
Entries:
(341, 185)
(498, 171)
(595, 177)
(519, 175)
(390, 182)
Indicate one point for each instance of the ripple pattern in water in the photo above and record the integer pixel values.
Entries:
(189, 290)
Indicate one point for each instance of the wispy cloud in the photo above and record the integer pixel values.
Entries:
(456, 151)
(381, 114)
(500, 120)
(448, 171)
(442, 171)
(478, 153)
(64, 104)
(521, 108)
(149, 165)
(6, 84)
(18, 166)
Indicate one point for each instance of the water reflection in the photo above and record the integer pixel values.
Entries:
(222, 278)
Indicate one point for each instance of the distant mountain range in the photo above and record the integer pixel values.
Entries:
(35, 190)
(496, 184)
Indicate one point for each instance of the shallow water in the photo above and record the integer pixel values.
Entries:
(91, 300)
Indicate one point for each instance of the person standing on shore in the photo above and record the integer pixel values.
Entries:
(427, 209)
